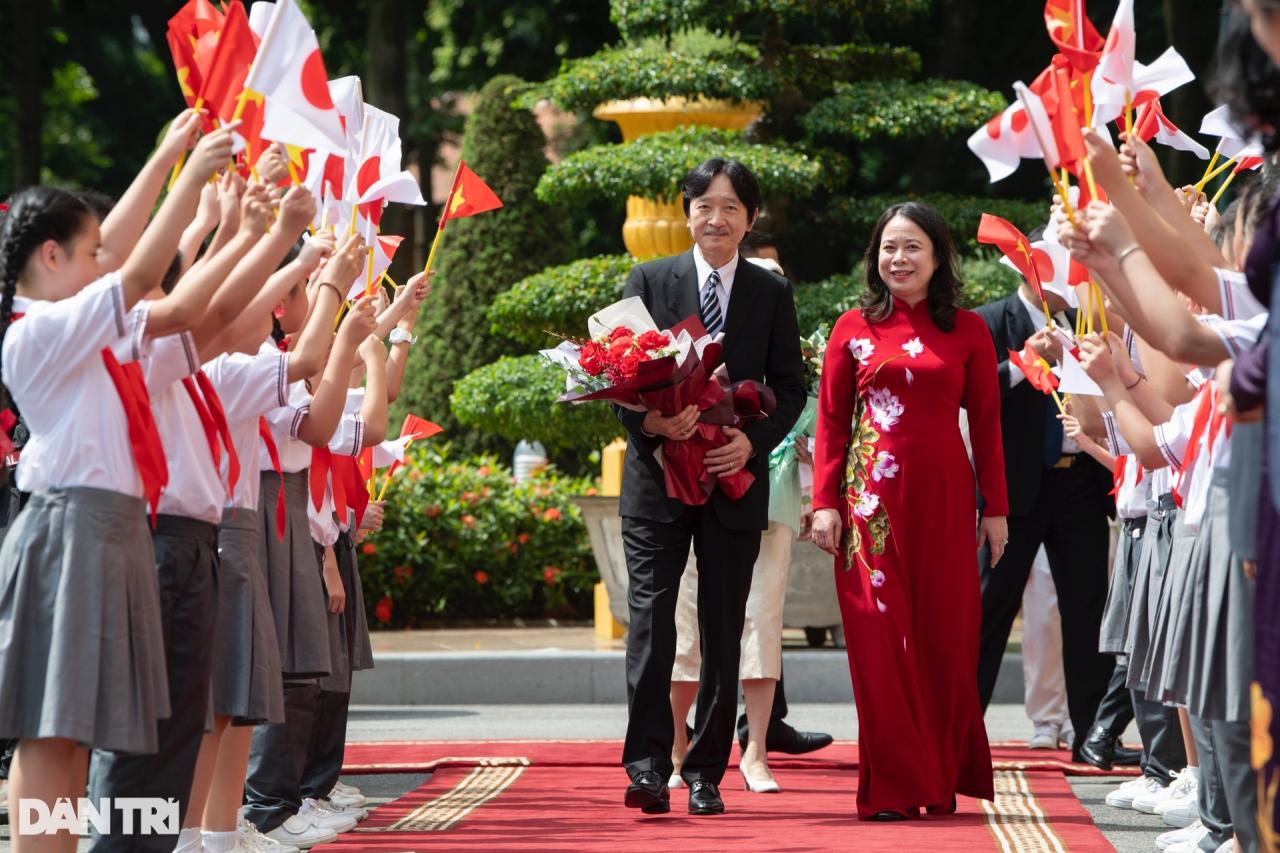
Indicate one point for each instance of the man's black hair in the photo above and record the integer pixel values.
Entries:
(744, 183)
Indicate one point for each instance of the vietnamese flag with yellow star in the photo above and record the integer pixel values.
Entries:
(469, 196)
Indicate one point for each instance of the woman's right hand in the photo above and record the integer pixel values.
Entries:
(357, 325)
(827, 527)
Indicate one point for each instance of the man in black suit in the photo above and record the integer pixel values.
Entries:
(756, 313)
(1058, 497)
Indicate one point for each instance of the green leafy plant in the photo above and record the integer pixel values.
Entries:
(859, 214)
(654, 167)
(896, 109)
(816, 69)
(481, 257)
(516, 398)
(654, 71)
(636, 18)
(559, 300)
(463, 540)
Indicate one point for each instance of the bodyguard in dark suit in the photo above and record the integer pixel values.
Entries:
(1058, 497)
(756, 313)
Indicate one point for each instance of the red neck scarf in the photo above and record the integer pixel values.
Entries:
(214, 420)
(264, 432)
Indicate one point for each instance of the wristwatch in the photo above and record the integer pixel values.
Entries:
(400, 336)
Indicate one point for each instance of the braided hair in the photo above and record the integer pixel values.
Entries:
(35, 215)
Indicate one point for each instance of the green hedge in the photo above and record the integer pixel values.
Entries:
(816, 69)
(515, 398)
(559, 299)
(462, 540)
(896, 109)
(637, 18)
(961, 213)
(652, 72)
(655, 166)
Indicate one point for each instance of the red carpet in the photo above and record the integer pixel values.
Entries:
(567, 795)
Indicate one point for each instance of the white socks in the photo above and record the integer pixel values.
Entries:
(189, 840)
(220, 842)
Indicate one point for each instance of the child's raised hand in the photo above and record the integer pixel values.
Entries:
(359, 324)
(212, 152)
(346, 263)
(181, 136)
(297, 209)
(273, 165)
(207, 208)
(1108, 229)
(373, 352)
(1107, 168)
(319, 247)
(1095, 358)
(1070, 425)
(256, 209)
(1139, 162)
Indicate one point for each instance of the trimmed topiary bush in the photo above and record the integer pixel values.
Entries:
(558, 301)
(652, 71)
(462, 540)
(961, 213)
(816, 69)
(482, 256)
(636, 18)
(516, 398)
(654, 167)
(896, 109)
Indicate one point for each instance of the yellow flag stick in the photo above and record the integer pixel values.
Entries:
(387, 482)
(444, 216)
(1102, 306)
(1209, 168)
(1223, 188)
(1218, 171)
(182, 157)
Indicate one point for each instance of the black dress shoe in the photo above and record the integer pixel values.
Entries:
(1099, 749)
(648, 792)
(784, 738)
(943, 810)
(1126, 757)
(887, 816)
(704, 798)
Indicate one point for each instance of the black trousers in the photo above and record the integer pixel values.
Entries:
(328, 743)
(186, 551)
(1163, 752)
(656, 553)
(1070, 520)
(277, 756)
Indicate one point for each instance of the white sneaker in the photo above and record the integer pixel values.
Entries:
(1122, 797)
(350, 790)
(254, 841)
(1044, 736)
(1185, 846)
(347, 796)
(301, 832)
(1192, 833)
(349, 811)
(313, 811)
(1067, 737)
(1146, 801)
(1181, 795)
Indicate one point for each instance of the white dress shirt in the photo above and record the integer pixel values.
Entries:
(727, 272)
(249, 387)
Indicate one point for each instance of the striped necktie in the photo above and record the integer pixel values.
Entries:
(712, 320)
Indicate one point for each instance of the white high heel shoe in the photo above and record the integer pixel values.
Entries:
(758, 786)
(676, 781)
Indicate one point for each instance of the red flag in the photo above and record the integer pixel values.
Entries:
(1034, 264)
(334, 176)
(1073, 33)
(1067, 119)
(192, 33)
(1245, 164)
(1035, 368)
(419, 427)
(469, 196)
(237, 45)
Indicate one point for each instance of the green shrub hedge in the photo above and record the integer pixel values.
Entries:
(816, 69)
(462, 540)
(515, 398)
(652, 72)
(655, 166)
(897, 109)
(558, 300)
(961, 213)
(637, 18)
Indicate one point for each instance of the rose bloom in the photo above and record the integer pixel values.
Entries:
(369, 548)
(591, 358)
(552, 514)
(653, 340)
(383, 611)
(484, 471)
(468, 521)
(620, 333)
(618, 349)
(481, 576)
(551, 574)
(403, 573)
(629, 365)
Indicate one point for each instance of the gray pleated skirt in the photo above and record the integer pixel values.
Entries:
(247, 684)
(294, 579)
(1167, 641)
(1153, 560)
(1115, 616)
(1218, 612)
(359, 648)
(81, 639)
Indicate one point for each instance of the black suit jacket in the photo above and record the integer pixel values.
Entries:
(1023, 410)
(761, 342)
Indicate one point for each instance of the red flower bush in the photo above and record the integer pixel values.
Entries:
(383, 611)
(481, 576)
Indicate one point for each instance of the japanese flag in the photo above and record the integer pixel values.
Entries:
(384, 250)
(1116, 65)
(1002, 142)
(1041, 126)
(1231, 144)
(289, 71)
(1151, 122)
(379, 178)
(1161, 77)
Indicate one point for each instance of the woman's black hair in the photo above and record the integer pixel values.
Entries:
(35, 215)
(1247, 81)
(944, 286)
(277, 331)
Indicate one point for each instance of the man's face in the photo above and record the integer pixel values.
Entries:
(718, 220)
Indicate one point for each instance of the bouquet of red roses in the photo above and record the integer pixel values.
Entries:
(630, 362)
